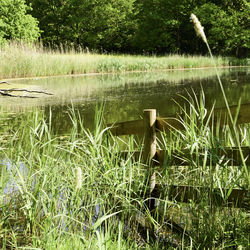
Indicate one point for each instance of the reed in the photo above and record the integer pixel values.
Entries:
(19, 60)
(40, 207)
(78, 178)
(200, 32)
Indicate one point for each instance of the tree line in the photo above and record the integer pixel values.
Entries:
(129, 26)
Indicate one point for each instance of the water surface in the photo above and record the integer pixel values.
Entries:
(126, 95)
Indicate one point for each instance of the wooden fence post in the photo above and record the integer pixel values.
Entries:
(149, 122)
(183, 193)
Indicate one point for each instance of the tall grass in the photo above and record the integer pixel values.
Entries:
(42, 208)
(205, 168)
(19, 60)
(200, 32)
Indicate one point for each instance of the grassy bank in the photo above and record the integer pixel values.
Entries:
(33, 61)
(47, 204)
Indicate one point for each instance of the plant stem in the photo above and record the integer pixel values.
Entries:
(230, 115)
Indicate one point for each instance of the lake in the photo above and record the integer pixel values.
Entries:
(124, 96)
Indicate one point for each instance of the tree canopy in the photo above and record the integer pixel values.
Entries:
(130, 26)
(15, 23)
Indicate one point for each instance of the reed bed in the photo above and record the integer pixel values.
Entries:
(20, 60)
(76, 191)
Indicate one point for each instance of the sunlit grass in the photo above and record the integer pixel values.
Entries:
(19, 60)
(41, 207)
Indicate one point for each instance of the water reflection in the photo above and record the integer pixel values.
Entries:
(15, 183)
(12, 186)
(126, 95)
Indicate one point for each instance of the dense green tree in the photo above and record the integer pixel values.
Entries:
(164, 26)
(97, 24)
(158, 25)
(15, 23)
(103, 23)
(226, 26)
(52, 18)
(155, 26)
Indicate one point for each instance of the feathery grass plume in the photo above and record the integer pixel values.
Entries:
(198, 28)
(78, 178)
(200, 32)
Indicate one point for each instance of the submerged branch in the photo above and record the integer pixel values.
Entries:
(26, 90)
(5, 93)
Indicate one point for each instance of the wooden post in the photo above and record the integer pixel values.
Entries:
(149, 121)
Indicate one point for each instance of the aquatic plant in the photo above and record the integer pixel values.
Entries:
(51, 207)
(45, 211)
(20, 60)
(78, 178)
(198, 28)
(200, 32)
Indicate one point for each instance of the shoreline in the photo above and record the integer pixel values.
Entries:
(112, 73)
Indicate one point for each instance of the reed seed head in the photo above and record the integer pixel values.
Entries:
(198, 28)
(78, 178)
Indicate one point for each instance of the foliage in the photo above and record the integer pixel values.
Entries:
(164, 26)
(226, 29)
(41, 208)
(151, 26)
(104, 24)
(157, 26)
(15, 23)
(160, 25)
(99, 24)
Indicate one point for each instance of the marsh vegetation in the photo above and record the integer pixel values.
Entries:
(65, 182)
(42, 208)
(42, 150)
(20, 60)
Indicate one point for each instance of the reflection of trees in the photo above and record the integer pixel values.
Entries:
(125, 98)
(236, 86)
(92, 87)
(127, 102)
(161, 95)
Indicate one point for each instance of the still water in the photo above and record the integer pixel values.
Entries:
(124, 96)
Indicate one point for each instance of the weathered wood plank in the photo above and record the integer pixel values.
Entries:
(149, 120)
(215, 156)
(237, 198)
(149, 150)
(165, 124)
(183, 158)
